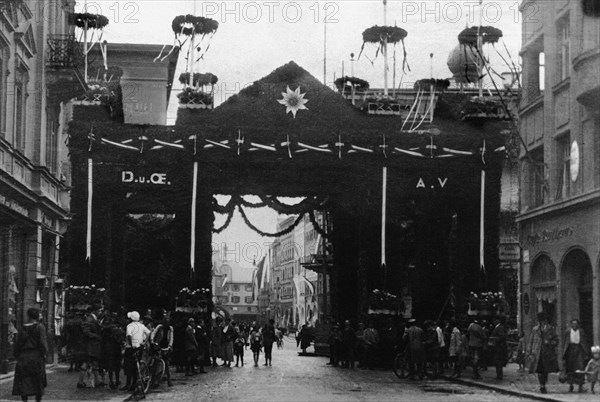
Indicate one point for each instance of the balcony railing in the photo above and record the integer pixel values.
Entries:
(62, 51)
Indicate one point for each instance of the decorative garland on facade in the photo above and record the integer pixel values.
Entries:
(225, 225)
(89, 21)
(306, 206)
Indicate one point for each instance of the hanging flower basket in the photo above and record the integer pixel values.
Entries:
(488, 34)
(191, 98)
(382, 302)
(94, 21)
(82, 297)
(481, 108)
(383, 106)
(346, 83)
(379, 34)
(193, 300)
(99, 93)
(189, 25)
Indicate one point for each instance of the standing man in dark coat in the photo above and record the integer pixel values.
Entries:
(542, 351)
(269, 338)
(203, 342)
(476, 341)
(575, 355)
(92, 333)
(497, 341)
(349, 345)
(416, 352)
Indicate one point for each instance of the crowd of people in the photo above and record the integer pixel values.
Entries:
(432, 348)
(101, 344)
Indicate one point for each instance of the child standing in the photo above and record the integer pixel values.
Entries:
(256, 344)
(238, 349)
(593, 367)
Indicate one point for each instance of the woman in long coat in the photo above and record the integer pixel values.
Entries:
(575, 355)
(542, 351)
(30, 351)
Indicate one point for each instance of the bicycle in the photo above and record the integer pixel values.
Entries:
(156, 364)
(401, 365)
(143, 374)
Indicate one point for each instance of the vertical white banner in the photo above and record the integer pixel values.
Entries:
(482, 224)
(383, 215)
(88, 237)
(193, 223)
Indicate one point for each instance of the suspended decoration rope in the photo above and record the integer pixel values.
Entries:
(287, 230)
(225, 225)
(306, 206)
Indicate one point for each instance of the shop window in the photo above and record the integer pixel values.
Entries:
(563, 43)
(563, 166)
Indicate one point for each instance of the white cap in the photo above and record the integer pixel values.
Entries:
(133, 315)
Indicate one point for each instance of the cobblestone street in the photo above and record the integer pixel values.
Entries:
(296, 378)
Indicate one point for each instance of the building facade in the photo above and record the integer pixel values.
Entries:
(560, 169)
(233, 288)
(34, 167)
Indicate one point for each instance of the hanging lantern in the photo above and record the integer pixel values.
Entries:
(462, 62)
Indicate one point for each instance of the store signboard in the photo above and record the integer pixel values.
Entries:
(509, 252)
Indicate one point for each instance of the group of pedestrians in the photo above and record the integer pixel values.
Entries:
(579, 360)
(227, 341)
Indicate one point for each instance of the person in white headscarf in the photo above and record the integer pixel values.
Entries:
(136, 334)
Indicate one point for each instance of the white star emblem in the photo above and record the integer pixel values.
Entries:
(293, 101)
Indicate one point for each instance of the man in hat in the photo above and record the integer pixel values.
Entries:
(136, 335)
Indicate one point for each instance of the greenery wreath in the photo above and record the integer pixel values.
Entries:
(488, 34)
(439, 84)
(377, 34)
(357, 83)
(189, 25)
(198, 79)
(94, 21)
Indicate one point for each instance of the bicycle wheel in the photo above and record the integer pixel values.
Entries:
(400, 366)
(158, 372)
(144, 378)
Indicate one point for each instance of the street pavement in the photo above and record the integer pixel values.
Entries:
(303, 378)
(309, 378)
(522, 383)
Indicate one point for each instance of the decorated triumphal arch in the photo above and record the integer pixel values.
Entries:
(413, 201)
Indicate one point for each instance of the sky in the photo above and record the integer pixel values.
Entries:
(256, 37)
